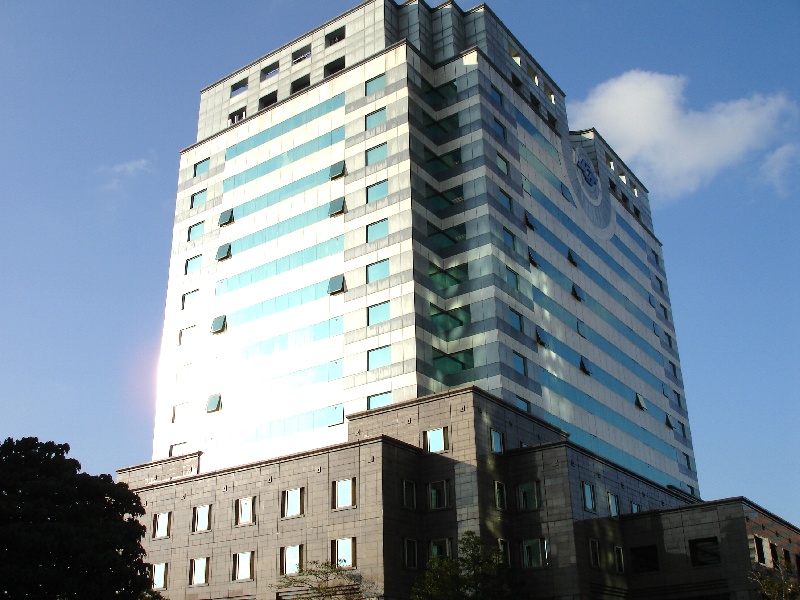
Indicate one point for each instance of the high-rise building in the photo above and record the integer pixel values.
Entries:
(391, 206)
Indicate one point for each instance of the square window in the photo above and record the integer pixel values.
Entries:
(336, 285)
(291, 559)
(378, 313)
(224, 252)
(619, 559)
(242, 566)
(522, 404)
(376, 154)
(509, 239)
(196, 231)
(496, 441)
(512, 278)
(219, 324)
(704, 552)
(336, 207)
(379, 357)
(268, 100)
(160, 576)
(377, 231)
(437, 495)
(244, 511)
(499, 129)
(344, 552)
(375, 118)
(193, 264)
(377, 191)
(239, 87)
(613, 504)
(496, 96)
(378, 400)
(440, 548)
(161, 524)
(515, 319)
(214, 403)
(410, 554)
(201, 518)
(500, 495)
(202, 167)
(436, 440)
(344, 493)
(534, 553)
(594, 553)
(226, 217)
(519, 364)
(529, 495)
(198, 199)
(198, 571)
(377, 271)
(292, 502)
(409, 494)
(270, 71)
(588, 497)
(375, 84)
(502, 164)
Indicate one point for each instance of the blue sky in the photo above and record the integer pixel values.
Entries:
(700, 98)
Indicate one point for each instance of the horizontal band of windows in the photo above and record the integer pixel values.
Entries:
(272, 198)
(542, 169)
(537, 194)
(631, 256)
(627, 228)
(279, 304)
(597, 408)
(556, 243)
(300, 152)
(281, 265)
(290, 225)
(295, 339)
(537, 135)
(286, 126)
(612, 453)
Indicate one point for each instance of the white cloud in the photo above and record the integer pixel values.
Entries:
(672, 149)
(120, 173)
(780, 167)
(131, 167)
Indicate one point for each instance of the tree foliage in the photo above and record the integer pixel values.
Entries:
(66, 534)
(327, 581)
(777, 583)
(478, 572)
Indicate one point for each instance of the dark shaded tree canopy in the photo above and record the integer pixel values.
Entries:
(66, 534)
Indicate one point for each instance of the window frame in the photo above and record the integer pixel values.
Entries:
(522, 488)
(406, 486)
(343, 484)
(239, 511)
(445, 440)
(589, 499)
(162, 582)
(375, 114)
(336, 552)
(196, 518)
(284, 559)
(445, 495)
(243, 558)
(496, 441)
(158, 519)
(369, 155)
(287, 501)
(193, 570)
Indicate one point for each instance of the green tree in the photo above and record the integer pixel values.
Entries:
(66, 534)
(327, 581)
(478, 572)
(778, 583)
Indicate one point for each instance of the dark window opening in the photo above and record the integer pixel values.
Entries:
(704, 551)
(237, 116)
(268, 100)
(239, 87)
(270, 71)
(301, 83)
(334, 66)
(644, 559)
(301, 54)
(334, 37)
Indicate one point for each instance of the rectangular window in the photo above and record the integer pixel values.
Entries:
(292, 502)
(378, 400)
(515, 319)
(496, 96)
(613, 504)
(594, 553)
(198, 571)
(375, 118)
(436, 440)
(512, 279)
(664, 311)
(198, 199)
(334, 37)
(375, 84)
(440, 548)
(334, 67)
(344, 493)
(377, 231)
(497, 441)
(244, 511)
(239, 87)
(760, 556)
(202, 167)
(505, 551)
(619, 559)
(344, 552)
(236, 116)
(505, 200)
(636, 507)
(301, 54)
(519, 364)
(704, 552)
(500, 495)
(534, 553)
(300, 83)
(193, 264)
(268, 100)
(523, 405)
(379, 357)
(378, 313)
(588, 497)
(437, 495)
(509, 239)
(644, 559)
(242, 566)
(409, 494)
(270, 71)
(162, 524)
(377, 271)
(201, 518)
(196, 231)
(529, 495)
(160, 576)
(502, 164)
(410, 554)
(773, 550)
(687, 461)
(499, 129)
(377, 191)
(376, 154)
(291, 559)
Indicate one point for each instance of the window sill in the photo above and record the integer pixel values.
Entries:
(338, 508)
(290, 517)
(250, 524)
